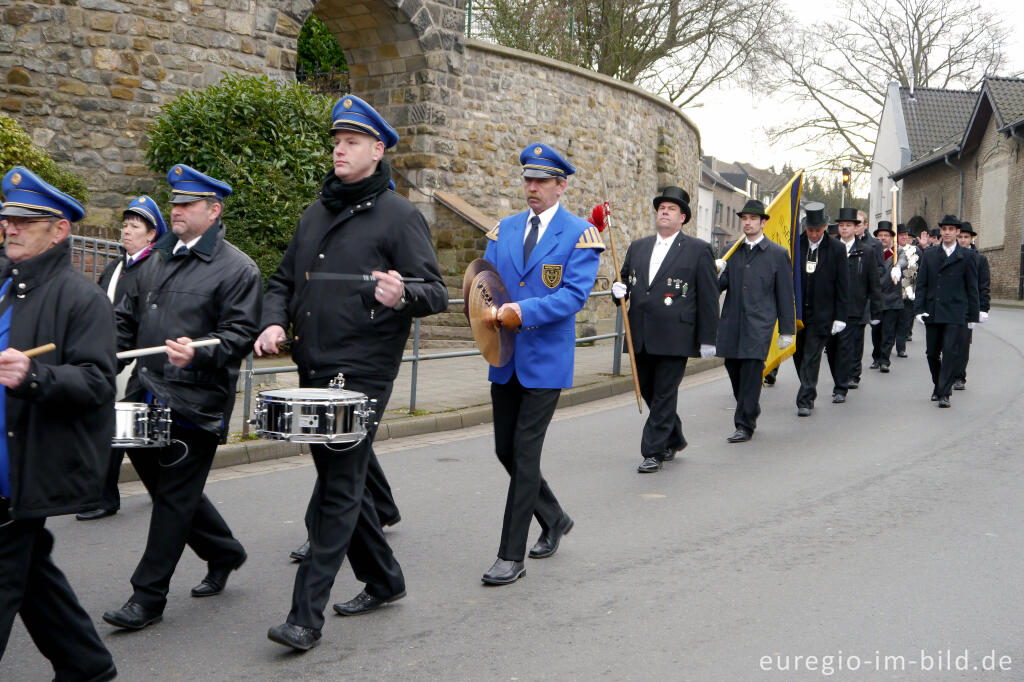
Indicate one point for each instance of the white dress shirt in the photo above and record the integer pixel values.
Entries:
(545, 220)
(658, 253)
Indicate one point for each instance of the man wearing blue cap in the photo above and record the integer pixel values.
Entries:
(548, 259)
(199, 286)
(56, 420)
(141, 224)
(357, 226)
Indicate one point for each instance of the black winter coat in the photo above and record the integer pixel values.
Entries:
(890, 294)
(826, 293)
(759, 286)
(338, 326)
(210, 291)
(687, 280)
(61, 418)
(984, 281)
(947, 287)
(127, 276)
(865, 293)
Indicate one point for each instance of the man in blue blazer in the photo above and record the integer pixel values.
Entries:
(548, 258)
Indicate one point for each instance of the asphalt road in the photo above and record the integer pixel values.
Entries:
(884, 534)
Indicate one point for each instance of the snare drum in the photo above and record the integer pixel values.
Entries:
(138, 425)
(312, 415)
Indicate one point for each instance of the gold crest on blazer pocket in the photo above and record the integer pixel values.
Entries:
(551, 275)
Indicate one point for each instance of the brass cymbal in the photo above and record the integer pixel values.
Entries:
(487, 293)
(477, 266)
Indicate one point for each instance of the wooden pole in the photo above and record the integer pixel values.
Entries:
(625, 313)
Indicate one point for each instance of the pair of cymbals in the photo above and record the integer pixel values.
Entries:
(484, 293)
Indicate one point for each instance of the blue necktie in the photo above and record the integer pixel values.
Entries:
(531, 238)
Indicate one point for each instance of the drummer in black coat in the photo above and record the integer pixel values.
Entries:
(670, 281)
(141, 225)
(825, 280)
(947, 302)
(200, 287)
(56, 420)
(357, 226)
(966, 240)
(758, 281)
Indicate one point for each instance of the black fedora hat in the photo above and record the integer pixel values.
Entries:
(968, 228)
(678, 196)
(883, 226)
(848, 214)
(815, 215)
(950, 220)
(753, 206)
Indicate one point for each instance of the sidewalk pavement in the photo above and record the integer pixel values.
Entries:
(451, 393)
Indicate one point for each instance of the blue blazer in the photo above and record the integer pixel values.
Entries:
(550, 289)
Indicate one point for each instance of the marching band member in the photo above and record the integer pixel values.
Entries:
(201, 286)
(58, 417)
(357, 225)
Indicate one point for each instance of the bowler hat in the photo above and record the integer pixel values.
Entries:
(949, 220)
(678, 196)
(968, 228)
(883, 226)
(753, 206)
(815, 215)
(848, 214)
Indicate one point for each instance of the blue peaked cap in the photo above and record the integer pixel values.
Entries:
(28, 195)
(188, 185)
(352, 113)
(541, 161)
(145, 207)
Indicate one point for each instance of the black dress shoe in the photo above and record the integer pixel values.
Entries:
(838, 398)
(384, 523)
(93, 514)
(670, 453)
(944, 401)
(216, 579)
(504, 572)
(547, 543)
(740, 436)
(935, 396)
(301, 553)
(649, 466)
(901, 353)
(884, 369)
(803, 411)
(364, 602)
(297, 637)
(133, 616)
(959, 385)
(853, 383)
(108, 674)
(874, 365)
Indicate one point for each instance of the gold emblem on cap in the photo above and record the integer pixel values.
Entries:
(347, 104)
(538, 151)
(177, 170)
(16, 178)
(142, 200)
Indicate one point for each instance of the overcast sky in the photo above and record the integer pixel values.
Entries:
(732, 121)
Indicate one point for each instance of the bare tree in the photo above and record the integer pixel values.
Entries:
(677, 48)
(838, 72)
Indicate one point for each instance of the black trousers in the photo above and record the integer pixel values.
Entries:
(856, 349)
(659, 377)
(966, 338)
(111, 496)
(904, 326)
(341, 520)
(32, 585)
(943, 351)
(182, 515)
(746, 377)
(840, 349)
(883, 336)
(807, 358)
(521, 418)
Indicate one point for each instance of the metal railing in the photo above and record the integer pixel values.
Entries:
(90, 255)
(250, 371)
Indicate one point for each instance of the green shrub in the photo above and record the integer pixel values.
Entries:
(16, 149)
(318, 49)
(269, 141)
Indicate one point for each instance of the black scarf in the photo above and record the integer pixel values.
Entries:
(336, 194)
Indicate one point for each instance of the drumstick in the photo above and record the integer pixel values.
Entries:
(356, 277)
(39, 350)
(154, 350)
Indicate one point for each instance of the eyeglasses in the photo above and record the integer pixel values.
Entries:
(25, 223)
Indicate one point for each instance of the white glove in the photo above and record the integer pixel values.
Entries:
(837, 326)
(874, 322)
(896, 273)
(971, 325)
(982, 317)
(785, 341)
(707, 350)
(618, 290)
(920, 318)
(720, 265)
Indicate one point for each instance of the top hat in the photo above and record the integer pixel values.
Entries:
(541, 161)
(848, 214)
(968, 228)
(188, 185)
(28, 195)
(815, 215)
(884, 226)
(949, 220)
(144, 207)
(833, 229)
(352, 113)
(902, 229)
(678, 196)
(753, 206)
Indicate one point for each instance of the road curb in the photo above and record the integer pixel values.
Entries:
(250, 451)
